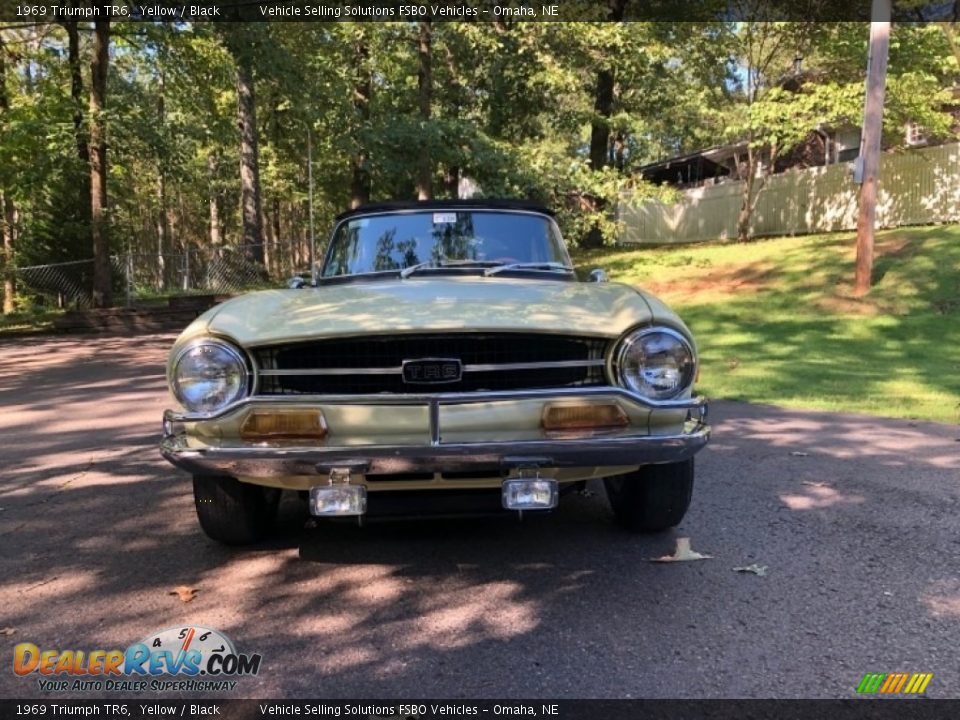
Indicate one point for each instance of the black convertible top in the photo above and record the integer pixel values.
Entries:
(485, 204)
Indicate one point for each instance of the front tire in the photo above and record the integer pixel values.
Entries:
(232, 512)
(653, 498)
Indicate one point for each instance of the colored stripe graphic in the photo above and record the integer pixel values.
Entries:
(870, 683)
(894, 683)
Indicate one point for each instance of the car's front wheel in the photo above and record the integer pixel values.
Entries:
(233, 512)
(653, 498)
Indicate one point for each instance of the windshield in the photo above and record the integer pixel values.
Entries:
(396, 241)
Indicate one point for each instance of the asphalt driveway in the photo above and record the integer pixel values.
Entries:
(857, 520)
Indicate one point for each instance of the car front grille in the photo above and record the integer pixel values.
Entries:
(374, 364)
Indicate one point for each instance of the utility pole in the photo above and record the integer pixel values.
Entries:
(870, 137)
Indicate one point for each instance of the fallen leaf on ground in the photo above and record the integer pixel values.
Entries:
(798, 453)
(7, 631)
(760, 570)
(683, 553)
(186, 594)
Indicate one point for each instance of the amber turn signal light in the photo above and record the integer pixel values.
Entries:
(584, 416)
(269, 425)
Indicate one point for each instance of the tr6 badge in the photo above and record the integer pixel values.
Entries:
(427, 371)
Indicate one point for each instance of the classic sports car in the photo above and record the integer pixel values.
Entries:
(445, 357)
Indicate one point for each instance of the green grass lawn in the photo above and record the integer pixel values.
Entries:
(776, 321)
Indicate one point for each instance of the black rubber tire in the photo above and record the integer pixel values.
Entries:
(232, 512)
(653, 498)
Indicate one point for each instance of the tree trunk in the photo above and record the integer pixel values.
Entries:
(102, 290)
(603, 102)
(76, 90)
(360, 180)
(163, 224)
(277, 244)
(451, 181)
(214, 201)
(9, 242)
(424, 87)
(250, 203)
(600, 126)
(6, 202)
(163, 230)
(746, 204)
(600, 142)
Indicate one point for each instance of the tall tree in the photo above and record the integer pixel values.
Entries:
(360, 174)
(603, 98)
(424, 98)
(251, 203)
(6, 200)
(243, 42)
(767, 118)
(102, 283)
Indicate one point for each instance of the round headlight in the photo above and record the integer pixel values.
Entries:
(208, 375)
(657, 363)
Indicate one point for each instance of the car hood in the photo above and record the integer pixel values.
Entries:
(423, 304)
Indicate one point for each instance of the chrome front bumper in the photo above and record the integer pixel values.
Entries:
(632, 446)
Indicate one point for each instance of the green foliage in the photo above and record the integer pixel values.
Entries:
(512, 109)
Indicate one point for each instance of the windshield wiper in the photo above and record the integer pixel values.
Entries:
(542, 267)
(444, 263)
(408, 271)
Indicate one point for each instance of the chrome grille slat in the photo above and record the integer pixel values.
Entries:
(503, 367)
(490, 361)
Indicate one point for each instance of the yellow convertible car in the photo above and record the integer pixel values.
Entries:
(443, 358)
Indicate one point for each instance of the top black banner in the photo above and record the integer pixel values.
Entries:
(24, 12)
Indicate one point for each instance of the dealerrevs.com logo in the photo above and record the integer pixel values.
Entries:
(193, 658)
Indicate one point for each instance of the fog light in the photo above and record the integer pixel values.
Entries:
(271, 425)
(338, 500)
(530, 493)
(583, 416)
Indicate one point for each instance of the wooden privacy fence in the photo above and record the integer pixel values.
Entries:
(917, 187)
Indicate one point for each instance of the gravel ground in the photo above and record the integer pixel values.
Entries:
(856, 519)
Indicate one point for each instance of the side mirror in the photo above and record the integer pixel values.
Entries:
(296, 282)
(599, 275)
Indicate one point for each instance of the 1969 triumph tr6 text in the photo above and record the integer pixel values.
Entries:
(444, 357)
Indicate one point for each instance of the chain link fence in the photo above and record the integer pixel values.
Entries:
(140, 276)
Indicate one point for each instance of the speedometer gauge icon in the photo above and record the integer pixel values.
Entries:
(197, 638)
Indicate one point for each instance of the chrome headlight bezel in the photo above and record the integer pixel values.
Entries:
(635, 337)
(238, 361)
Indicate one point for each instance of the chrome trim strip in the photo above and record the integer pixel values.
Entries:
(434, 423)
(265, 462)
(494, 367)
(488, 367)
(331, 371)
(453, 398)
